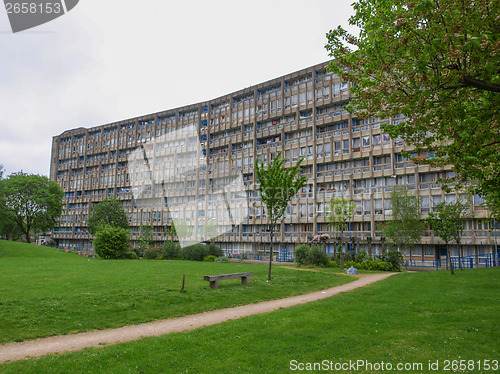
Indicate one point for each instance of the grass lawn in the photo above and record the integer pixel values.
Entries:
(45, 292)
(413, 318)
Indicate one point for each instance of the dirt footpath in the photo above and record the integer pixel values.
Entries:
(74, 342)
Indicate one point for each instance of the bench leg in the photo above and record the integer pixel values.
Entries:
(244, 280)
(214, 284)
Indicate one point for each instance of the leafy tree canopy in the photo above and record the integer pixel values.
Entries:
(278, 184)
(32, 203)
(437, 63)
(341, 212)
(107, 212)
(448, 220)
(405, 228)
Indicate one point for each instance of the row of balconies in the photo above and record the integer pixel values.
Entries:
(469, 237)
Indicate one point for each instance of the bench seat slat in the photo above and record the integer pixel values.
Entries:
(227, 276)
(214, 279)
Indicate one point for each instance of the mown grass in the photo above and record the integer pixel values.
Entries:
(45, 292)
(408, 318)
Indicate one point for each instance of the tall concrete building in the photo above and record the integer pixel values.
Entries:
(176, 165)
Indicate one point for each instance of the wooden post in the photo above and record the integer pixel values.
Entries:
(183, 282)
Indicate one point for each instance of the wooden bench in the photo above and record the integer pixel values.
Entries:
(214, 279)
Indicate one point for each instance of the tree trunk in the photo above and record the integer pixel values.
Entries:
(27, 235)
(270, 252)
(460, 254)
(449, 259)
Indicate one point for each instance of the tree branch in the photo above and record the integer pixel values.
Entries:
(469, 81)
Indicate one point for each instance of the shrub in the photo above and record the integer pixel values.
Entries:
(195, 252)
(316, 256)
(213, 250)
(111, 242)
(394, 258)
(369, 265)
(306, 255)
(171, 250)
(131, 255)
(221, 259)
(152, 253)
(332, 264)
(300, 253)
(209, 258)
(362, 256)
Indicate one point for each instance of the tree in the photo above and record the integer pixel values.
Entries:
(107, 212)
(341, 213)
(170, 230)
(112, 242)
(435, 62)
(277, 186)
(8, 227)
(447, 221)
(31, 202)
(405, 229)
(146, 237)
(1, 171)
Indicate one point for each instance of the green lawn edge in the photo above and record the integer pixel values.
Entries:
(46, 292)
(418, 318)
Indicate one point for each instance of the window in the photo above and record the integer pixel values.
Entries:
(355, 145)
(367, 207)
(424, 207)
(450, 198)
(436, 199)
(336, 89)
(327, 148)
(366, 141)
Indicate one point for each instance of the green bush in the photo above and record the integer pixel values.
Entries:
(209, 258)
(306, 255)
(222, 259)
(111, 242)
(195, 252)
(131, 255)
(369, 265)
(152, 253)
(301, 253)
(171, 250)
(394, 258)
(332, 264)
(213, 250)
(317, 256)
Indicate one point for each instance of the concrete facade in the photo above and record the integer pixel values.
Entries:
(301, 114)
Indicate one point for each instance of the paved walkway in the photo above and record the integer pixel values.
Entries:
(74, 342)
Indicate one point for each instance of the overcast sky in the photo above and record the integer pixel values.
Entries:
(105, 61)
